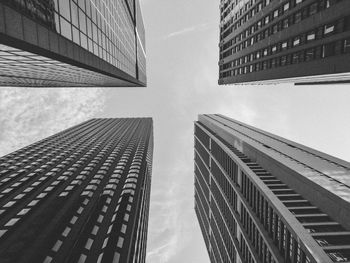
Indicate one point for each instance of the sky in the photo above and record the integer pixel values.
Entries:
(182, 54)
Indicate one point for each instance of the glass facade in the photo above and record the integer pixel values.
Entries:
(81, 195)
(111, 30)
(22, 68)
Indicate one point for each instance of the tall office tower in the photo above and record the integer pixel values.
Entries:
(262, 198)
(84, 43)
(270, 41)
(81, 195)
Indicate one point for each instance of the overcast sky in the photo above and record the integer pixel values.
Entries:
(182, 55)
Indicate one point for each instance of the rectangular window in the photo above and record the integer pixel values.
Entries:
(284, 45)
(64, 9)
(328, 29)
(310, 54)
(297, 58)
(82, 21)
(267, 20)
(274, 29)
(274, 63)
(74, 13)
(265, 52)
(66, 29)
(346, 47)
(283, 60)
(297, 17)
(120, 242)
(328, 50)
(311, 36)
(286, 7)
(296, 41)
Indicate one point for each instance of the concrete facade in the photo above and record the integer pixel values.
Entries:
(278, 200)
(284, 41)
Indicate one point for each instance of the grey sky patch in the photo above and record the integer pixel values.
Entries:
(27, 114)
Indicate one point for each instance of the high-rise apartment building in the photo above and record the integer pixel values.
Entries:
(81, 195)
(50, 43)
(273, 41)
(262, 198)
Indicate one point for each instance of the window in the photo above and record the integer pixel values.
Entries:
(311, 36)
(100, 218)
(33, 203)
(328, 50)
(297, 57)
(89, 243)
(346, 47)
(66, 231)
(82, 258)
(116, 257)
(126, 217)
(12, 222)
(274, 63)
(23, 211)
(73, 220)
(120, 242)
(267, 20)
(297, 17)
(9, 204)
(274, 29)
(64, 194)
(328, 29)
(57, 246)
(95, 230)
(283, 60)
(310, 54)
(296, 41)
(42, 195)
(47, 259)
(286, 7)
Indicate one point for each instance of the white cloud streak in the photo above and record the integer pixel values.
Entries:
(168, 230)
(191, 29)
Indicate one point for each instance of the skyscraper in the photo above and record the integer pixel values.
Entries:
(49, 43)
(269, 41)
(262, 198)
(81, 195)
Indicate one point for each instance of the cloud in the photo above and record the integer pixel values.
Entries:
(168, 230)
(28, 115)
(184, 31)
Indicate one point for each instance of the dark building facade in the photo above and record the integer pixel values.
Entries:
(81, 195)
(262, 198)
(274, 41)
(72, 43)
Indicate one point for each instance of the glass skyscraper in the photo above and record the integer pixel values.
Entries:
(81, 195)
(270, 41)
(262, 198)
(72, 43)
